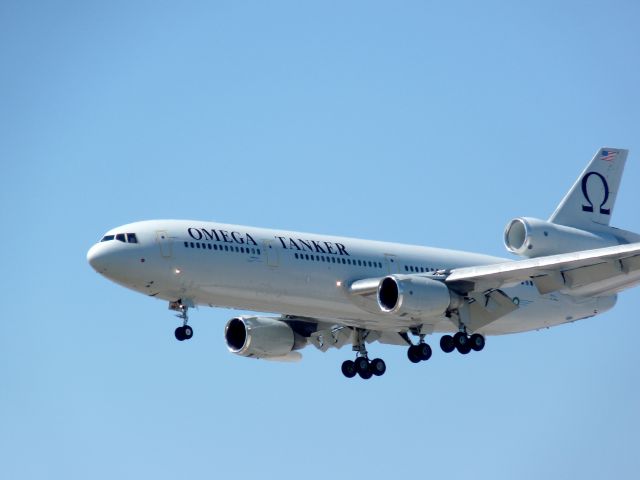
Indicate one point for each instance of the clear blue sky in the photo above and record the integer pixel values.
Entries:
(432, 123)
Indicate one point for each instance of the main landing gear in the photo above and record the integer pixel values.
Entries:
(462, 342)
(185, 332)
(362, 366)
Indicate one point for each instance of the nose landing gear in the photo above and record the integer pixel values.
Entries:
(185, 332)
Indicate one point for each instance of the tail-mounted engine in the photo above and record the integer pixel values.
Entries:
(531, 237)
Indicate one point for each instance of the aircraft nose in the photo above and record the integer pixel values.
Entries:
(97, 257)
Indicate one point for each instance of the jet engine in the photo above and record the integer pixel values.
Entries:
(531, 237)
(415, 296)
(261, 337)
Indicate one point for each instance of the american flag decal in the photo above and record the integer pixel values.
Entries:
(608, 155)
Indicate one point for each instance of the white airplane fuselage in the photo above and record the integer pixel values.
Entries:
(301, 274)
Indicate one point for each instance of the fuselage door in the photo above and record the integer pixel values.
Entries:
(162, 237)
(272, 254)
(392, 263)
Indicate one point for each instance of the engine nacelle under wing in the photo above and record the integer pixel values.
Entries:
(531, 237)
(415, 296)
(262, 337)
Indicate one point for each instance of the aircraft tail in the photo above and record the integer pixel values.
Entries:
(589, 204)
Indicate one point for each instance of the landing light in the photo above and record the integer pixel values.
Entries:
(177, 271)
(338, 283)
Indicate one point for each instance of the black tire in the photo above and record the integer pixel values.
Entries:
(413, 355)
(464, 349)
(446, 344)
(424, 351)
(349, 369)
(188, 332)
(460, 339)
(378, 367)
(179, 333)
(362, 365)
(365, 374)
(477, 342)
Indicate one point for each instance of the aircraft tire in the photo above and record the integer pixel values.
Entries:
(179, 333)
(460, 339)
(446, 344)
(349, 369)
(413, 354)
(477, 342)
(362, 365)
(187, 332)
(424, 351)
(464, 349)
(378, 367)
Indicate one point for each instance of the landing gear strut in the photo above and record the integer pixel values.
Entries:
(362, 366)
(185, 332)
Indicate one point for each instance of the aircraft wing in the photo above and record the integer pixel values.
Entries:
(602, 271)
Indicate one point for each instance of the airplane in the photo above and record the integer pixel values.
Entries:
(330, 291)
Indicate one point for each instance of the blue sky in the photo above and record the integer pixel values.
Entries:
(414, 122)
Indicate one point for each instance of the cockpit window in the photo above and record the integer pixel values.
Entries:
(122, 237)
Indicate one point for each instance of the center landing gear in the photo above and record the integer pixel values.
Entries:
(362, 366)
(420, 352)
(185, 332)
(462, 342)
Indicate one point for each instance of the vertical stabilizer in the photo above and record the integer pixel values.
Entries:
(590, 201)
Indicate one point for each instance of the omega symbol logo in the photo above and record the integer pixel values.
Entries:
(585, 192)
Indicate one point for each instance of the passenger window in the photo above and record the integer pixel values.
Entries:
(186, 244)
(120, 237)
(258, 251)
(192, 245)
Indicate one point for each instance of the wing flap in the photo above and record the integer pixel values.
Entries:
(630, 264)
(483, 311)
(581, 276)
(554, 272)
